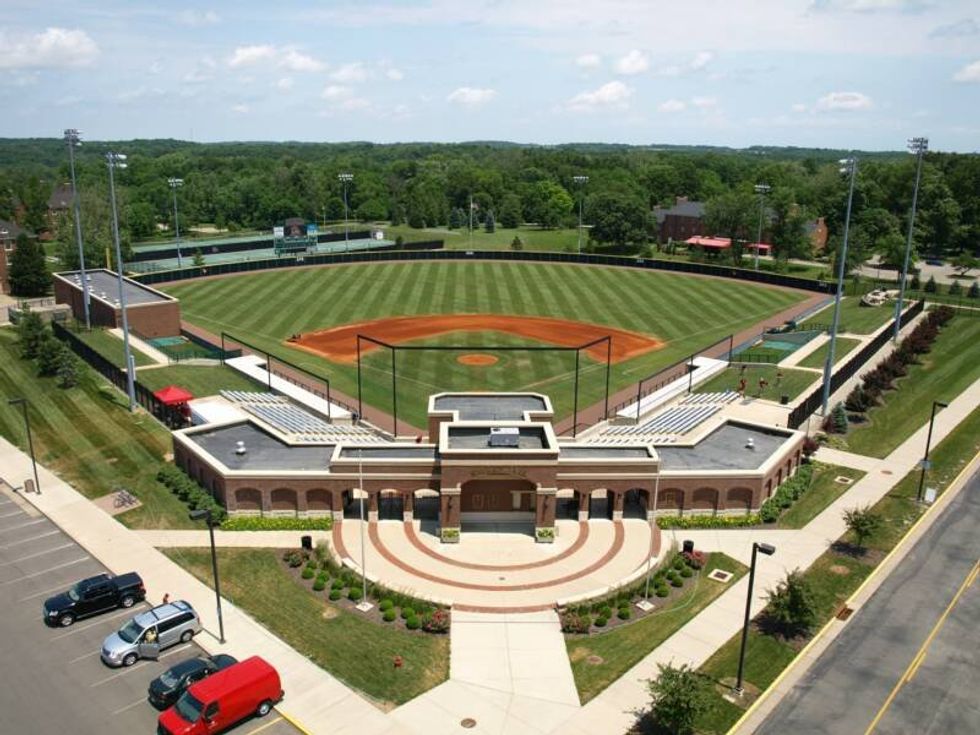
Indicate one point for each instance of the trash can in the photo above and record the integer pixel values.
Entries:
(306, 542)
(688, 546)
(784, 399)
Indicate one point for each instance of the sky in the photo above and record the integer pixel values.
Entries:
(861, 74)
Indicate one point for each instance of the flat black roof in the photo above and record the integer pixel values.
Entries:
(724, 449)
(599, 451)
(478, 437)
(396, 451)
(490, 407)
(101, 281)
(263, 450)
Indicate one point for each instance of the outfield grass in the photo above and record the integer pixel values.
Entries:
(793, 382)
(823, 490)
(685, 312)
(818, 357)
(950, 367)
(88, 437)
(111, 347)
(355, 650)
(854, 318)
(201, 380)
(621, 648)
(534, 238)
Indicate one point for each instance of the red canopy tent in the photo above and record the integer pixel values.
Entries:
(173, 395)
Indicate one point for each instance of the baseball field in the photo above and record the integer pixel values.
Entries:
(301, 315)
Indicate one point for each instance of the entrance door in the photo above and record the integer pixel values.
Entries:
(498, 500)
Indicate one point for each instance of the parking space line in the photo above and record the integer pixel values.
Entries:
(140, 664)
(24, 525)
(42, 593)
(38, 553)
(29, 539)
(15, 513)
(130, 706)
(264, 726)
(46, 571)
(83, 657)
(105, 618)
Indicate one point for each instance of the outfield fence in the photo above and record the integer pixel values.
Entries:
(189, 247)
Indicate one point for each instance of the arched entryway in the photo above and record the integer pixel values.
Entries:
(705, 500)
(566, 505)
(318, 502)
(670, 501)
(600, 504)
(738, 500)
(391, 506)
(510, 501)
(248, 501)
(635, 502)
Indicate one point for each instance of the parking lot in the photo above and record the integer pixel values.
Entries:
(54, 680)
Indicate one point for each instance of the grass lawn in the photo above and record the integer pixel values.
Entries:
(89, 438)
(854, 318)
(823, 491)
(818, 357)
(356, 651)
(621, 648)
(793, 383)
(111, 347)
(685, 312)
(941, 375)
(201, 380)
(534, 238)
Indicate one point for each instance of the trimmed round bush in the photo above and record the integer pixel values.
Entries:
(389, 615)
(413, 623)
(687, 572)
(308, 573)
(354, 594)
(407, 613)
(605, 611)
(623, 613)
(337, 584)
(319, 584)
(600, 622)
(676, 582)
(335, 594)
(385, 605)
(662, 591)
(679, 562)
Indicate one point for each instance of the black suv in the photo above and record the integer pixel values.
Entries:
(167, 688)
(92, 596)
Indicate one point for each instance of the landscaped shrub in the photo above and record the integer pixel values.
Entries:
(955, 289)
(662, 591)
(687, 572)
(335, 594)
(810, 446)
(676, 581)
(695, 559)
(858, 400)
(974, 291)
(931, 286)
(408, 612)
(413, 623)
(271, 523)
(436, 622)
(188, 491)
(389, 615)
(308, 573)
(385, 605)
(600, 622)
(573, 622)
(605, 612)
(293, 558)
(318, 584)
(707, 521)
(354, 594)
(678, 562)
(337, 584)
(623, 613)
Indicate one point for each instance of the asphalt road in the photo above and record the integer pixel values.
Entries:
(52, 678)
(850, 684)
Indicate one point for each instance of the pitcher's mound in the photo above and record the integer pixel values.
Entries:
(475, 359)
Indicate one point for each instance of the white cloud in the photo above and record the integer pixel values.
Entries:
(704, 103)
(248, 55)
(53, 48)
(969, 73)
(395, 75)
(195, 76)
(959, 29)
(844, 101)
(471, 96)
(672, 106)
(285, 84)
(198, 18)
(798, 107)
(588, 61)
(350, 73)
(871, 6)
(335, 92)
(612, 94)
(635, 62)
(701, 60)
(354, 104)
(240, 109)
(293, 60)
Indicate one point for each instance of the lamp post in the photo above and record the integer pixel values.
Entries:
(22, 402)
(114, 161)
(761, 190)
(581, 181)
(847, 166)
(768, 550)
(925, 459)
(73, 139)
(345, 179)
(175, 184)
(918, 146)
(363, 604)
(205, 515)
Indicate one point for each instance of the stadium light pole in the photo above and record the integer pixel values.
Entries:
(925, 460)
(918, 146)
(581, 181)
(363, 604)
(847, 166)
(768, 550)
(761, 190)
(73, 139)
(205, 515)
(175, 184)
(345, 179)
(22, 402)
(114, 161)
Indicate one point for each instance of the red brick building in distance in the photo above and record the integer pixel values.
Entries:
(685, 219)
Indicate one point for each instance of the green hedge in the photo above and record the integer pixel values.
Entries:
(260, 523)
(787, 494)
(706, 521)
(189, 492)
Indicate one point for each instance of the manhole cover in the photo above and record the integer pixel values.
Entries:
(469, 723)
(594, 660)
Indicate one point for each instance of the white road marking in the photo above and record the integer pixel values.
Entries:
(28, 540)
(39, 553)
(130, 706)
(134, 610)
(11, 515)
(141, 663)
(24, 525)
(44, 592)
(45, 571)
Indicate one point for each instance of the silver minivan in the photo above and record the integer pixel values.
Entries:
(145, 635)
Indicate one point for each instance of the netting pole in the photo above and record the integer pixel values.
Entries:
(394, 396)
(329, 417)
(268, 370)
(639, 391)
(222, 348)
(731, 347)
(690, 372)
(605, 412)
(575, 404)
(360, 406)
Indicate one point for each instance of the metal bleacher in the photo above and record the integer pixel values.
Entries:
(703, 399)
(286, 417)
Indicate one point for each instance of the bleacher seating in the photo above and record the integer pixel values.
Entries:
(300, 425)
(704, 399)
(667, 426)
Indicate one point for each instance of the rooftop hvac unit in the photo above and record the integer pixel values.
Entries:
(504, 437)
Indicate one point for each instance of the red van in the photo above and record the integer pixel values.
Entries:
(250, 687)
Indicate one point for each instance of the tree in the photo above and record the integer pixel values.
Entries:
(28, 275)
(371, 210)
(788, 227)
(549, 204)
(974, 292)
(839, 418)
(489, 223)
(680, 695)
(142, 222)
(792, 607)
(510, 211)
(617, 220)
(516, 243)
(863, 523)
(31, 331)
(731, 215)
(49, 354)
(68, 369)
(198, 258)
(964, 263)
(457, 218)
(931, 286)
(891, 251)
(955, 289)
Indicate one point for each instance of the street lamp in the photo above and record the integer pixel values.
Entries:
(768, 550)
(73, 139)
(363, 604)
(205, 515)
(761, 190)
(22, 402)
(345, 179)
(174, 185)
(581, 181)
(918, 146)
(848, 166)
(925, 460)
(114, 161)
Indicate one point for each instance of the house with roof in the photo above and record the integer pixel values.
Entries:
(683, 220)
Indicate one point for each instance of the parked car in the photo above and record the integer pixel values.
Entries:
(145, 635)
(92, 596)
(167, 688)
(251, 687)
(933, 260)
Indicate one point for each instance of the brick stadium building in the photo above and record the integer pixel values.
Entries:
(151, 313)
(490, 458)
